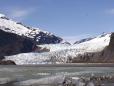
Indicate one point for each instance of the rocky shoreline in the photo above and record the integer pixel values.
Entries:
(105, 80)
(89, 81)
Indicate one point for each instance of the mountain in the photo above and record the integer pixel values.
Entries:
(16, 38)
(100, 49)
(20, 44)
(37, 35)
(83, 40)
(88, 39)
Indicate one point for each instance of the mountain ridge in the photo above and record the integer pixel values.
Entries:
(40, 36)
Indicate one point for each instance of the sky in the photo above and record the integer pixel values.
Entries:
(70, 19)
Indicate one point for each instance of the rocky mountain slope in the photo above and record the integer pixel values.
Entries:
(40, 36)
(11, 44)
(17, 38)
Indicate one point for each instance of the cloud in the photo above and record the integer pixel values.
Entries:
(20, 14)
(73, 39)
(110, 11)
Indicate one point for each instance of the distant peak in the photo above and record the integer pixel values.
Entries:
(104, 34)
(2, 15)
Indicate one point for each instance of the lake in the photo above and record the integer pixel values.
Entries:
(44, 75)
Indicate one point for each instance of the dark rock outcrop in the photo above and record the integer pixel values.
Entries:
(111, 44)
(46, 39)
(11, 44)
(41, 50)
(8, 62)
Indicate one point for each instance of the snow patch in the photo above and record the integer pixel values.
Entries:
(2, 15)
(18, 28)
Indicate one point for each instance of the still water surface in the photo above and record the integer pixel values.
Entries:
(16, 74)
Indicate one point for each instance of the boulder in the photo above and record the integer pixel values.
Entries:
(7, 62)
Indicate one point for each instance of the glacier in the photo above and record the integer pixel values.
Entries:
(61, 53)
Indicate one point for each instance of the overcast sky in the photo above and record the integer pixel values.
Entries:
(71, 19)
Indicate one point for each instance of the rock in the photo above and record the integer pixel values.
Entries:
(111, 44)
(11, 44)
(2, 57)
(7, 62)
(41, 49)
(73, 81)
(45, 39)
(90, 84)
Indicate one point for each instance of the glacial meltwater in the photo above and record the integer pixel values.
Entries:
(56, 76)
